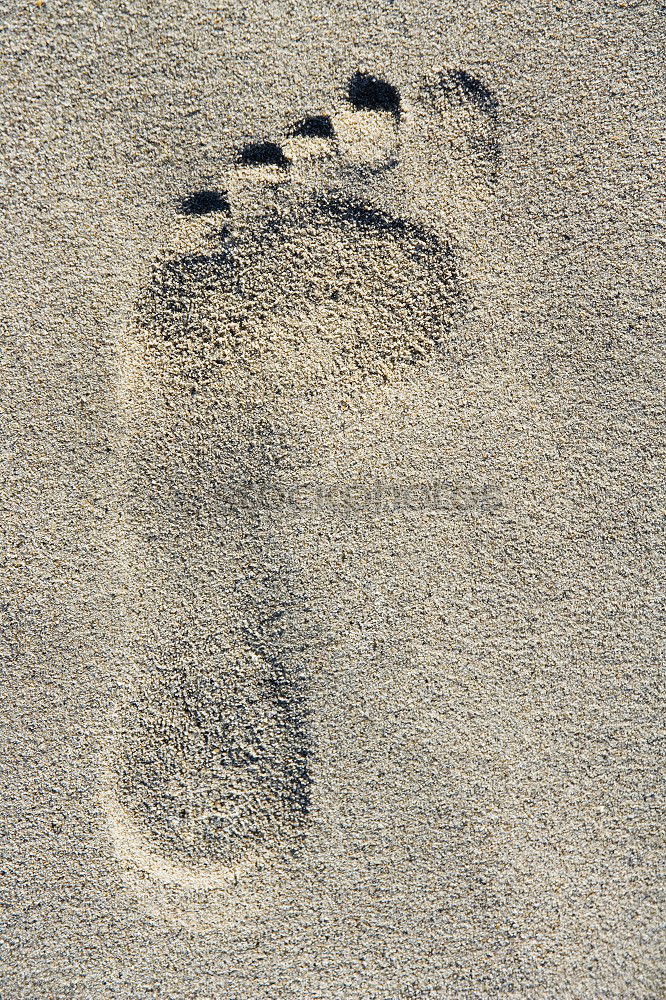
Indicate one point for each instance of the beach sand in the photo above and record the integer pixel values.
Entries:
(332, 446)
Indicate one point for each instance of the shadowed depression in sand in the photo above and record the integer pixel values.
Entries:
(289, 309)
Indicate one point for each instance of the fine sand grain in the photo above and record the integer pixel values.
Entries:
(332, 442)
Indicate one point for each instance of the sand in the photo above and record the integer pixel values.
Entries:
(332, 423)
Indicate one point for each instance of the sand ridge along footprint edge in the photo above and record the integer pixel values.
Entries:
(321, 262)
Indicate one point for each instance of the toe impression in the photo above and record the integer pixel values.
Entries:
(367, 130)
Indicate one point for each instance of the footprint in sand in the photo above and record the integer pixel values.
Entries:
(321, 272)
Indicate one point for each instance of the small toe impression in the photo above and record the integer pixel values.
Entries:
(457, 86)
(204, 203)
(315, 127)
(367, 132)
(368, 93)
(311, 139)
(470, 113)
(265, 154)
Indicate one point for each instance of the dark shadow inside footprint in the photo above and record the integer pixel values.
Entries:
(204, 202)
(315, 127)
(371, 94)
(476, 113)
(263, 154)
(459, 84)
